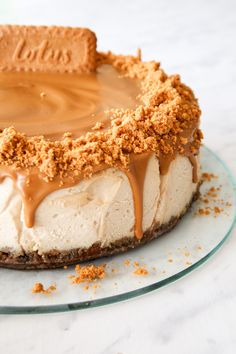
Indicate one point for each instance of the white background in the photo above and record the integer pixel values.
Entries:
(197, 314)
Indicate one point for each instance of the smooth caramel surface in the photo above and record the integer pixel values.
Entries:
(51, 104)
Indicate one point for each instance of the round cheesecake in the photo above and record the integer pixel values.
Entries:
(93, 164)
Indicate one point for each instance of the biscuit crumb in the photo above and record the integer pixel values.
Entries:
(212, 192)
(42, 94)
(98, 126)
(38, 288)
(88, 273)
(217, 210)
(215, 205)
(127, 262)
(203, 211)
(208, 176)
(95, 286)
(140, 271)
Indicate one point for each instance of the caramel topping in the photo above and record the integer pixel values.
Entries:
(51, 104)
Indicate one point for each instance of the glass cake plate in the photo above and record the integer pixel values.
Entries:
(166, 259)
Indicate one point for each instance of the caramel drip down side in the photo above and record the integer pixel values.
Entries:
(164, 162)
(136, 175)
(193, 160)
(166, 159)
(33, 189)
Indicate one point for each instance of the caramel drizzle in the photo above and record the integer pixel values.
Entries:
(34, 189)
(165, 161)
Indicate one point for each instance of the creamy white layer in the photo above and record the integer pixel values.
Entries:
(97, 209)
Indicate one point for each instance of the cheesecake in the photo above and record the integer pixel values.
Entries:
(93, 161)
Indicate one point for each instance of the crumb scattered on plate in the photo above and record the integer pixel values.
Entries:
(140, 271)
(38, 288)
(127, 262)
(206, 176)
(88, 273)
(211, 204)
(188, 263)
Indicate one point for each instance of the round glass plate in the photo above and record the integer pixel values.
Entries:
(166, 259)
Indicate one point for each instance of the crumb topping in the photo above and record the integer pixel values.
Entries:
(167, 108)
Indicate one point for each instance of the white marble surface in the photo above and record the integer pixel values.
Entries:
(197, 314)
